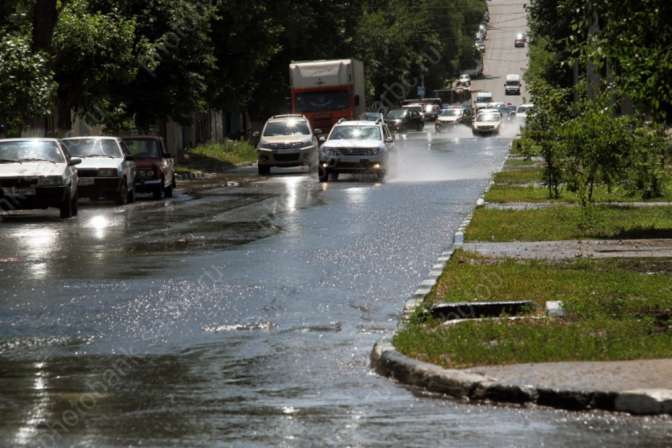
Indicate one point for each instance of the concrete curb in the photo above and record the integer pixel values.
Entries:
(467, 386)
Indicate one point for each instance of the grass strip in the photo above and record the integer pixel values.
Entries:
(220, 156)
(614, 288)
(616, 310)
(527, 341)
(568, 223)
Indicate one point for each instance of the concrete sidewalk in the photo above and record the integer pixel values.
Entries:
(564, 250)
(612, 376)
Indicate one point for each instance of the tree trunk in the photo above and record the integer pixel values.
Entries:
(45, 15)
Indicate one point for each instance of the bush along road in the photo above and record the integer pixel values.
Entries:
(595, 331)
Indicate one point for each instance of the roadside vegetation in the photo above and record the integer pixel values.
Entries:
(133, 64)
(217, 157)
(615, 310)
(594, 137)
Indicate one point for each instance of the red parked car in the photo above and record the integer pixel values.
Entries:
(155, 167)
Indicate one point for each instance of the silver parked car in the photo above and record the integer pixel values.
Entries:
(37, 173)
(107, 169)
(287, 141)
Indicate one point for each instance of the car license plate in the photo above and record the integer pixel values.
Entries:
(17, 191)
(86, 181)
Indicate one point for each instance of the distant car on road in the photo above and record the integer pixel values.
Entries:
(287, 141)
(464, 80)
(155, 167)
(512, 85)
(107, 169)
(37, 174)
(523, 109)
(483, 99)
(356, 147)
(449, 117)
(519, 40)
(404, 120)
(487, 121)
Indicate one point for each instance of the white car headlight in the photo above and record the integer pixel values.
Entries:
(108, 172)
(51, 181)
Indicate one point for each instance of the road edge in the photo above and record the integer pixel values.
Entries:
(468, 386)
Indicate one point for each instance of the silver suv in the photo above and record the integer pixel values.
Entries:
(356, 147)
(287, 141)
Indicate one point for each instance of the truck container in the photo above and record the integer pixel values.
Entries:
(326, 91)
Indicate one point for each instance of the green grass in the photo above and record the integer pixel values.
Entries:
(520, 176)
(505, 192)
(566, 223)
(501, 342)
(616, 309)
(616, 288)
(220, 156)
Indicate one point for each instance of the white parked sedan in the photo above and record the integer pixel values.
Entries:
(37, 174)
(487, 121)
(107, 169)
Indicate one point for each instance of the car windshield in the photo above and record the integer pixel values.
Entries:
(30, 151)
(488, 118)
(322, 101)
(372, 116)
(356, 133)
(484, 99)
(397, 114)
(512, 82)
(523, 109)
(144, 148)
(450, 112)
(286, 128)
(93, 147)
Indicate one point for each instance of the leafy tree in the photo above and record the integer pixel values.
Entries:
(93, 51)
(25, 82)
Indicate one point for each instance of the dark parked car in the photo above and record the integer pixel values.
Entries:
(402, 120)
(155, 167)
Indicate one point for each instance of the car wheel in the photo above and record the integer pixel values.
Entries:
(264, 170)
(159, 192)
(66, 208)
(122, 196)
(323, 175)
(75, 205)
(131, 196)
(169, 191)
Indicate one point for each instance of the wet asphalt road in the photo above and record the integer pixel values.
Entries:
(242, 313)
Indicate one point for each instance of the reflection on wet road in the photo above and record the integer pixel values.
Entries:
(244, 315)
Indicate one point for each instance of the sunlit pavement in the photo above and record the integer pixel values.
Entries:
(243, 313)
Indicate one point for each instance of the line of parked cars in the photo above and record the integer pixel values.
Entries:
(40, 173)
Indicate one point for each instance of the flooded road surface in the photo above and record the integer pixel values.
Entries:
(243, 312)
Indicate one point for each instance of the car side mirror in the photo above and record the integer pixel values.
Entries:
(75, 161)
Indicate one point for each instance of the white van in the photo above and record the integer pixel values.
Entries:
(512, 85)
